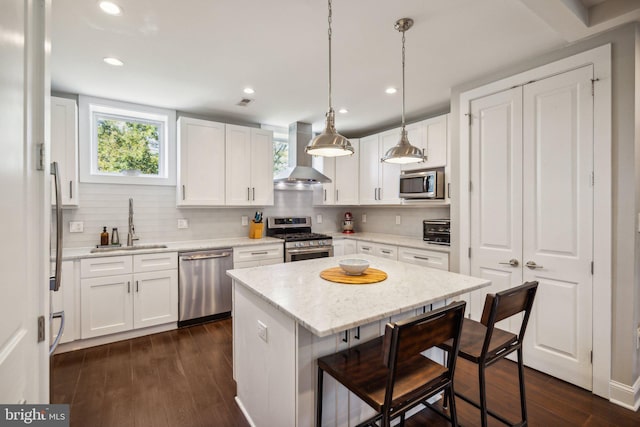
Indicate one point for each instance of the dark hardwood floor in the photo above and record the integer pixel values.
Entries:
(183, 378)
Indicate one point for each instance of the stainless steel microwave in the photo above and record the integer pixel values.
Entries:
(422, 184)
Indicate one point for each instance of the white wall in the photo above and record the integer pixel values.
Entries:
(156, 215)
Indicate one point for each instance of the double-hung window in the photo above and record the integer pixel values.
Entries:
(122, 143)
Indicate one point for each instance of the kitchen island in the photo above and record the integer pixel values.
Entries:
(285, 316)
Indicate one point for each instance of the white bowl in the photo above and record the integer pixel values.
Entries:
(354, 266)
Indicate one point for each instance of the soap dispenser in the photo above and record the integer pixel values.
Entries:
(104, 237)
(115, 238)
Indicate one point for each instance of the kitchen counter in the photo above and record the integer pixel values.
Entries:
(391, 239)
(325, 308)
(185, 246)
(285, 316)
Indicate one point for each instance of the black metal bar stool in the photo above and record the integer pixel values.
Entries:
(390, 374)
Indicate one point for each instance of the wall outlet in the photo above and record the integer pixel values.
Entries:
(183, 223)
(244, 219)
(364, 218)
(262, 331)
(319, 219)
(398, 220)
(76, 226)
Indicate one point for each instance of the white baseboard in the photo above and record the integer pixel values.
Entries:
(106, 339)
(244, 411)
(625, 396)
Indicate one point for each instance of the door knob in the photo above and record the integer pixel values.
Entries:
(532, 265)
(512, 262)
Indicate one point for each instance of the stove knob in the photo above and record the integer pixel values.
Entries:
(312, 243)
(298, 244)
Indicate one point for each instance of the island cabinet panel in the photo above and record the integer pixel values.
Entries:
(339, 406)
(264, 363)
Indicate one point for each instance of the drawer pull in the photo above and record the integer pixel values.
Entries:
(424, 258)
(259, 253)
(386, 252)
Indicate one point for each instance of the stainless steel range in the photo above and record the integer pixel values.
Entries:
(299, 242)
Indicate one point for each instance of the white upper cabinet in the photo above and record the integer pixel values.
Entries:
(327, 191)
(64, 148)
(201, 163)
(346, 182)
(379, 182)
(343, 172)
(249, 166)
(431, 136)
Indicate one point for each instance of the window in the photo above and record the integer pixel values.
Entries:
(126, 143)
(280, 148)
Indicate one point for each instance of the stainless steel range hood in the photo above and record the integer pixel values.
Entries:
(300, 169)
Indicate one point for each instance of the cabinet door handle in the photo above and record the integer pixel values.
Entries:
(71, 189)
(448, 190)
(357, 335)
(375, 193)
(379, 193)
(337, 195)
(424, 258)
(346, 336)
(137, 287)
(254, 193)
(128, 287)
(183, 192)
(248, 194)
(325, 194)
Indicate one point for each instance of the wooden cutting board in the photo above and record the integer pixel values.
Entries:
(370, 275)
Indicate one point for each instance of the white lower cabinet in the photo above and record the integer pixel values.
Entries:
(254, 256)
(344, 247)
(137, 298)
(427, 258)
(377, 249)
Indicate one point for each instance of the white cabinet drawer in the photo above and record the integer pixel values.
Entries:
(105, 266)
(155, 262)
(258, 253)
(424, 257)
(377, 249)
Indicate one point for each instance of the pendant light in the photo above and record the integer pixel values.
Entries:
(403, 152)
(329, 143)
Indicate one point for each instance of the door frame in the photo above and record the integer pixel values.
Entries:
(600, 58)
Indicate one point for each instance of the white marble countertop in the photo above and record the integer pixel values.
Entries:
(325, 308)
(391, 239)
(192, 245)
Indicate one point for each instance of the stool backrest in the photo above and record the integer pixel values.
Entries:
(505, 304)
(407, 339)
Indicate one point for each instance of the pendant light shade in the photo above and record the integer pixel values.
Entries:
(403, 152)
(329, 143)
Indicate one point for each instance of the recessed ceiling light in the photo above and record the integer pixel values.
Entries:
(391, 90)
(249, 90)
(110, 8)
(343, 111)
(113, 61)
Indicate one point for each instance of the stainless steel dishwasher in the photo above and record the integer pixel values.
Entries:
(205, 288)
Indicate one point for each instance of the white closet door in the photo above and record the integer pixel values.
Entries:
(558, 223)
(496, 193)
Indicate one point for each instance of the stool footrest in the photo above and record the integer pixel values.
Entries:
(490, 412)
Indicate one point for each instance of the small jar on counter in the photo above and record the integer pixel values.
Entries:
(115, 238)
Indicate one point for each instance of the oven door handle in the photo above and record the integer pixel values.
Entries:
(308, 250)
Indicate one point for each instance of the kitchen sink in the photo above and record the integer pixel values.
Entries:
(128, 248)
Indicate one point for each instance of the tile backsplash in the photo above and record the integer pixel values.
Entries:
(156, 215)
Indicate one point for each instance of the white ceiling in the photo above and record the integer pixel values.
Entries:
(196, 56)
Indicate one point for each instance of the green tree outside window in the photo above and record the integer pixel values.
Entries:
(128, 145)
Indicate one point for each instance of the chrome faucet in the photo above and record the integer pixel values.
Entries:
(131, 235)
